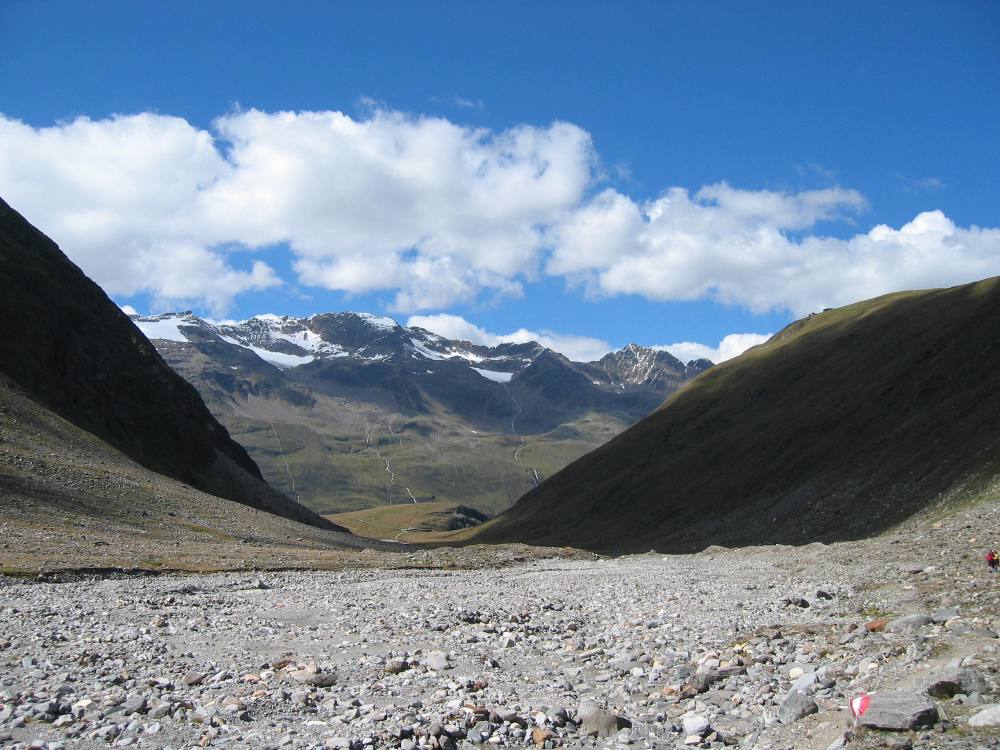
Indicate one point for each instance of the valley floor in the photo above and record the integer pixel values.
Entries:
(641, 651)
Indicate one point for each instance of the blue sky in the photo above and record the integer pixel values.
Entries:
(809, 124)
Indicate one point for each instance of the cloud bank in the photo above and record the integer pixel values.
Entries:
(437, 213)
(749, 248)
(731, 346)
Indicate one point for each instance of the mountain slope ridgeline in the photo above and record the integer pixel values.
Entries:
(71, 350)
(840, 426)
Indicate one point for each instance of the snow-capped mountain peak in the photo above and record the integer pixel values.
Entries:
(288, 342)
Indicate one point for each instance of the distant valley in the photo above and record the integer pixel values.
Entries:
(345, 411)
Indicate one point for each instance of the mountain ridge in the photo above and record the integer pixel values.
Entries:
(404, 412)
(289, 341)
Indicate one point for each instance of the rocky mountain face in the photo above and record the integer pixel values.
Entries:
(639, 366)
(73, 352)
(442, 418)
(818, 435)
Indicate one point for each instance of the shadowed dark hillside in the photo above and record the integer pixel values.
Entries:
(843, 424)
(73, 351)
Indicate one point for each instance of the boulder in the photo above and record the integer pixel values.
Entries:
(952, 680)
(322, 679)
(695, 725)
(803, 681)
(303, 675)
(988, 717)
(436, 660)
(907, 621)
(899, 710)
(942, 615)
(700, 682)
(539, 735)
(395, 666)
(134, 704)
(596, 720)
(796, 705)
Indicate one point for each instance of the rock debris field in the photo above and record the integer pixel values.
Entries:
(758, 648)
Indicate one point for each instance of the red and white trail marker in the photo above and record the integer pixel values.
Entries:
(859, 705)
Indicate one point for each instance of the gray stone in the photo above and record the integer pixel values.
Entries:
(159, 711)
(942, 615)
(907, 621)
(134, 704)
(700, 682)
(595, 720)
(106, 732)
(395, 666)
(804, 681)
(45, 708)
(796, 705)
(480, 732)
(947, 683)
(695, 725)
(436, 660)
(322, 679)
(899, 710)
(988, 717)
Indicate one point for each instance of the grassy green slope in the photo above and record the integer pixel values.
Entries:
(404, 522)
(842, 425)
(434, 458)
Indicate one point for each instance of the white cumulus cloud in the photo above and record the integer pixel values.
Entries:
(577, 348)
(731, 346)
(435, 213)
(121, 197)
(747, 248)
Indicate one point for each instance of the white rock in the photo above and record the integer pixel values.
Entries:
(987, 717)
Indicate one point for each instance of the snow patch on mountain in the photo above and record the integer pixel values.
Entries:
(279, 359)
(165, 327)
(312, 342)
(466, 355)
(378, 321)
(496, 377)
(425, 352)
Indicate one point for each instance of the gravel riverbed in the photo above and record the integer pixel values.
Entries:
(759, 648)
